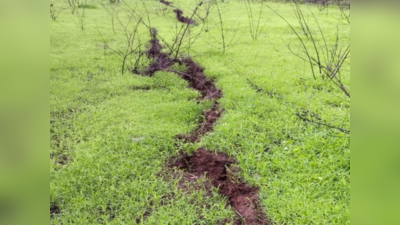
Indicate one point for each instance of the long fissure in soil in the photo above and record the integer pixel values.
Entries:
(179, 13)
(217, 167)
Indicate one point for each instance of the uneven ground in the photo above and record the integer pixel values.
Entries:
(118, 143)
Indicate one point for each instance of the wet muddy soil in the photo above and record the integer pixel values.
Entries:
(219, 168)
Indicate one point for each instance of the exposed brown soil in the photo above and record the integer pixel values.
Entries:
(62, 160)
(179, 13)
(198, 80)
(194, 73)
(218, 167)
(54, 209)
(145, 215)
(110, 210)
(206, 125)
(181, 18)
(166, 2)
(161, 60)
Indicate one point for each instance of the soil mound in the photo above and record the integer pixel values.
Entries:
(218, 168)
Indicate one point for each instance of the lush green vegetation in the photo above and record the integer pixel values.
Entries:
(111, 134)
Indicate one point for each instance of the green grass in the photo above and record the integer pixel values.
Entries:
(117, 137)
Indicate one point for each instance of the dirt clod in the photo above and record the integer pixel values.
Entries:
(54, 209)
(217, 167)
(62, 160)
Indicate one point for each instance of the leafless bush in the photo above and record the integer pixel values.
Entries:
(254, 23)
(203, 12)
(345, 12)
(130, 51)
(224, 40)
(185, 33)
(74, 4)
(81, 18)
(55, 11)
(221, 23)
(113, 10)
(161, 10)
(329, 59)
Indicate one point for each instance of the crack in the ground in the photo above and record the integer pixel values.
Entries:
(181, 18)
(179, 13)
(217, 167)
(206, 125)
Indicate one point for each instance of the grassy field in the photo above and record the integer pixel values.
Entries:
(112, 134)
